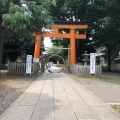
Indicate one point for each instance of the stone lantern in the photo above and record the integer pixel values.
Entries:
(86, 59)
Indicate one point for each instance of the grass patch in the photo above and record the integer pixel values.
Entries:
(116, 107)
(75, 78)
(113, 80)
(106, 79)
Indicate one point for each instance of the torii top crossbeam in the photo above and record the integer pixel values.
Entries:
(72, 35)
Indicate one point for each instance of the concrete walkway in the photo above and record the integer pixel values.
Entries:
(57, 97)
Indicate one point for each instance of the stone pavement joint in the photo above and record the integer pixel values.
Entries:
(56, 96)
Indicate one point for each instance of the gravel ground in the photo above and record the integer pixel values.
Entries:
(11, 88)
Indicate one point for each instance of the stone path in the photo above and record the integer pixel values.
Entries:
(57, 97)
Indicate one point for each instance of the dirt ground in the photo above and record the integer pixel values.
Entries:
(11, 87)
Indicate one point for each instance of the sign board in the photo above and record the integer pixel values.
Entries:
(29, 64)
(92, 63)
(36, 60)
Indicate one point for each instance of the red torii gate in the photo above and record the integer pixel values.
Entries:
(72, 35)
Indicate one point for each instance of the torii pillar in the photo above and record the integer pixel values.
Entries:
(37, 46)
(72, 35)
(73, 48)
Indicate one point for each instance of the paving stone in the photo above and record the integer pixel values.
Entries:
(70, 91)
(104, 114)
(49, 81)
(61, 101)
(46, 97)
(79, 89)
(48, 105)
(42, 119)
(47, 90)
(74, 97)
(84, 94)
(21, 113)
(58, 97)
(58, 94)
(41, 113)
(37, 90)
(57, 82)
(64, 113)
(94, 101)
(29, 101)
(58, 88)
(88, 119)
(78, 104)
(33, 94)
(65, 84)
(84, 112)
(48, 86)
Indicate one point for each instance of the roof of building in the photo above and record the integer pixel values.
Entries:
(72, 22)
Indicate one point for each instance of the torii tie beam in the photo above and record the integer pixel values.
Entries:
(72, 35)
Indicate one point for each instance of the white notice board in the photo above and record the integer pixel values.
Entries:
(92, 63)
(29, 64)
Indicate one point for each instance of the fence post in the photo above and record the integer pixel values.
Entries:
(8, 65)
(100, 69)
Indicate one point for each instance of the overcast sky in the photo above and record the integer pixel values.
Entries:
(47, 42)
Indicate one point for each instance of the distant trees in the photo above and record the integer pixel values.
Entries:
(56, 50)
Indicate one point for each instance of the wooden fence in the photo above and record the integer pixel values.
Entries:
(84, 69)
(21, 67)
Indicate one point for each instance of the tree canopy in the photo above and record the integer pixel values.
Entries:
(14, 45)
(104, 16)
(28, 16)
(23, 17)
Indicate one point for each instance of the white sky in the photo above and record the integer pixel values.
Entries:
(47, 42)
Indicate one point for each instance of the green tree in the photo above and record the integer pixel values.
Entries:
(4, 5)
(105, 17)
(107, 29)
(78, 10)
(23, 17)
(15, 44)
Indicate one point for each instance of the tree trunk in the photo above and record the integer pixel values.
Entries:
(1, 44)
(109, 58)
